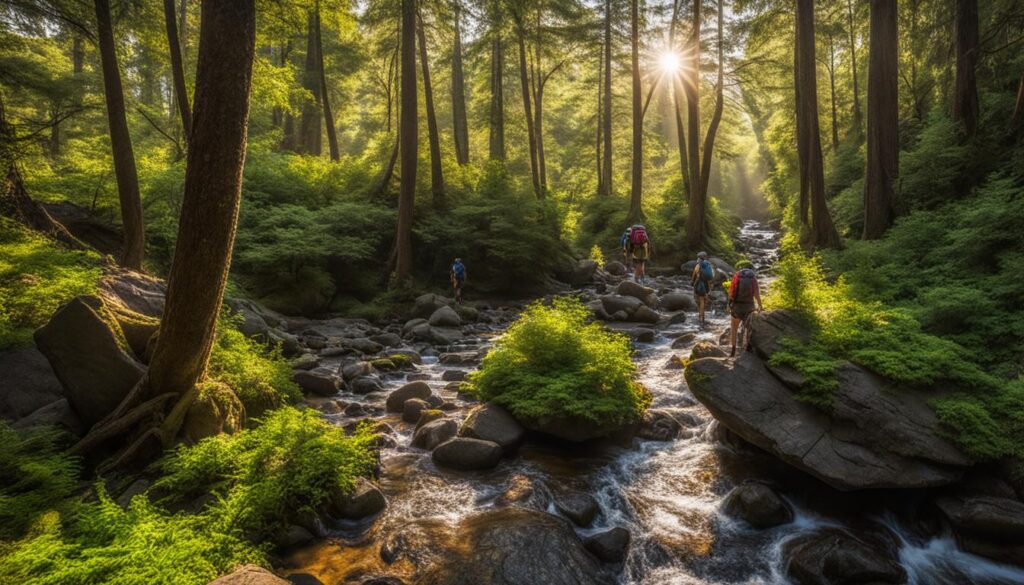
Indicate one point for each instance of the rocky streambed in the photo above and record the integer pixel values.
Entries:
(680, 500)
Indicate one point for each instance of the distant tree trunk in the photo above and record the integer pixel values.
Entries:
(177, 68)
(459, 121)
(823, 232)
(678, 103)
(497, 117)
(310, 141)
(802, 149)
(538, 128)
(858, 117)
(696, 220)
(436, 174)
(965, 97)
(389, 169)
(525, 83)
(77, 54)
(121, 143)
(832, 91)
(883, 120)
(637, 184)
(332, 133)
(277, 114)
(206, 233)
(599, 126)
(1019, 106)
(408, 144)
(692, 91)
(606, 114)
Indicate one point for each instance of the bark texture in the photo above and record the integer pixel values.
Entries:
(177, 68)
(883, 121)
(436, 172)
(459, 122)
(325, 101)
(965, 96)
(309, 139)
(637, 180)
(606, 105)
(497, 113)
(408, 144)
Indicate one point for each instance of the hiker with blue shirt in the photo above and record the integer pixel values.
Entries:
(458, 275)
(702, 281)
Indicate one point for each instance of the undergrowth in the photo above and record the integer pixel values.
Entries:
(261, 377)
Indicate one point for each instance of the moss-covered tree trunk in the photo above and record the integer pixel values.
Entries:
(460, 125)
(637, 176)
(965, 96)
(177, 68)
(133, 248)
(883, 121)
(408, 144)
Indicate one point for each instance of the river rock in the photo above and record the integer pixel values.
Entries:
(445, 317)
(684, 340)
(365, 385)
(677, 302)
(27, 384)
(758, 504)
(516, 546)
(705, 349)
(462, 358)
(355, 369)
(989, 526)
(412, 324)
(363, 345)
(646, 295)
(433, 433)
(319, 383)
(610, 546)
(579, 507)
(215, 410)
(467, 454)
(138, 292)
(582, 272)
(364, 500)
(768, 329)
(249, 575)
(491, 422)
(55, 414)
(659, 425)
(412, 409)
(873, 438)
(835, 557)
(617, 303)
(396, 400)
(453, 375)
(615, 268)
(387, 339)
(429, 415)
(95, 369)
(427, 304)
(645, 314)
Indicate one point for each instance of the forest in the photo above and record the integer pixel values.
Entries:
(458, 291)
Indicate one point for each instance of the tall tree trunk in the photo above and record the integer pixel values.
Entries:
(858, 117)
(606, 113)
(309, 140)
(497, 117)
(177, 68)
(120, 143)
(599, 126)
(802, 148)
(696, 220)
(332, 132)
(691, 87)
(538, 128)
(436, 174)
(408, 144)
(525, 83)
(883, 120)
(832, 91)
(206, 233)
(823, 232)
(678, 103)
(277, 115)
(77, 54)
(1018, 107)
(389, 170)
(459, 121)
(637, 184)
(965, 97)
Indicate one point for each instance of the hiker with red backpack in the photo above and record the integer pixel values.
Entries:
(743, 293)
(702, 280)
(639, 250)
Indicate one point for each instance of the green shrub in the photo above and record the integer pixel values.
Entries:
(37, 276)
(34, 476)
(552, 364)
(262, 378)
(265, 477)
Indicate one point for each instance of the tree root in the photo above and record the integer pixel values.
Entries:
(109, 428)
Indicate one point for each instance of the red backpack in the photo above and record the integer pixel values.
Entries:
(638, 236)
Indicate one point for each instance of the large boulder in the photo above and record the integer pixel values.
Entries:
(319, 383)
(582, 272)
(491, 422)
(874, 437)
(27, 384)
(445, 317)
(396, 400)
(645, 314)
(646, 295)
(677, 301)
(364, 500)
(989, 526)
(467, 454)
(427, 304)
(758, 504)
(579, 507)
(705, 349)
(215, 410)
(615, 268)
(138, 292)
(836, 557)
(516, 546)
(433, 433)
(767, 330)
(610, 546)
(615, 303)
(249, 575)
(659, 425)
(90, 357)
(576, 430)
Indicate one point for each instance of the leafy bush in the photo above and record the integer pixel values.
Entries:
(276, 472)
(36, 277)
(929, 172)
(262, 378)
(553, 364)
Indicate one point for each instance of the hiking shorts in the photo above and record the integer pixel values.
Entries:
(700, 290)
(742, 310)
(640, 254)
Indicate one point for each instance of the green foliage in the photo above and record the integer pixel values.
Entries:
(37, 276)
(261, 377)
(553, 364)
(931, 171)
(263, 477)
(34, 474)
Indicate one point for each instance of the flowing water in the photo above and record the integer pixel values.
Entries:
(668, 494)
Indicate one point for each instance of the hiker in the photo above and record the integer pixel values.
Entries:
(458, 274)
(742, 295)
(702, 282)
(639, 250)
(624, 244)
